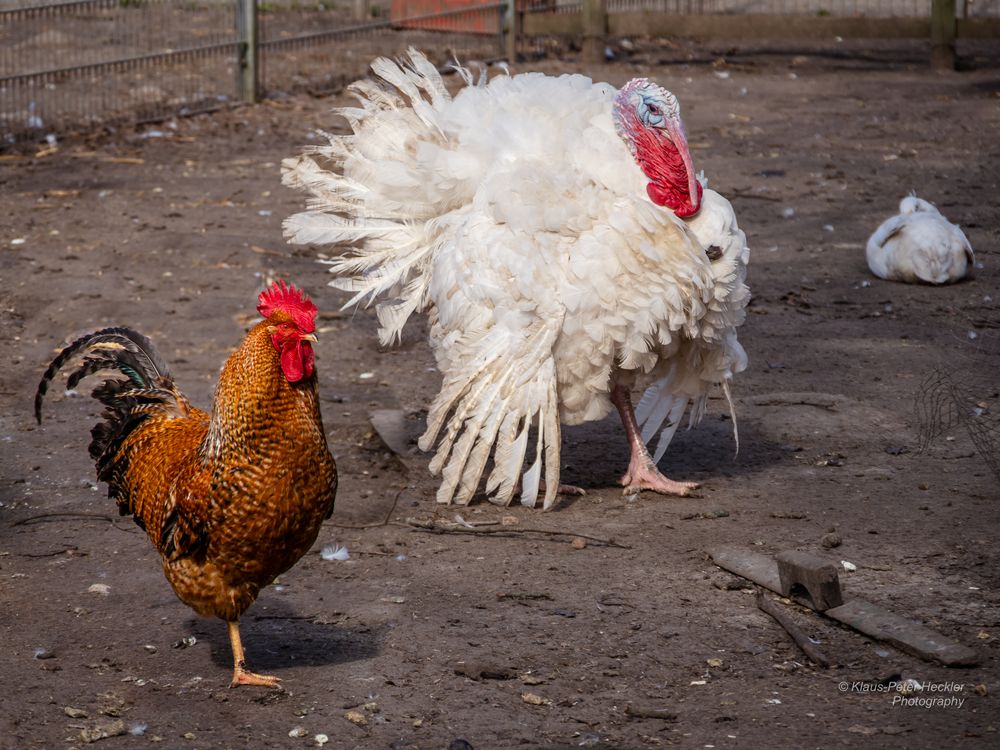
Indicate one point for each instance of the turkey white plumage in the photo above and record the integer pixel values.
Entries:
(538, 221)
(919, 245)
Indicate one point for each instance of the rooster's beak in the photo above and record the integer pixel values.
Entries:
(309, 337)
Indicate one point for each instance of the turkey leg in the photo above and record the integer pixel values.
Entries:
(642, 473)
(240, 674)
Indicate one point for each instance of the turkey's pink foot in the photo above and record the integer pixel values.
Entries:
(645, 476)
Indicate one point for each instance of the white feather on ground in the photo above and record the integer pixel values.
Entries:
(517, 218)
(919, 245)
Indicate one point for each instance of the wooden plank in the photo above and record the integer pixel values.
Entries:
(865, 617)
(906, 635)
(753, 566)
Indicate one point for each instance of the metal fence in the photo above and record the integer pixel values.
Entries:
(324, 48)
(86, 63)
(80, 63)
(77, 64)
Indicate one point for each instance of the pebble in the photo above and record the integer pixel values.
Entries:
(99, 588)
(75, 713)
(102, 731)
(831, 540)
(535, 700)
(356, 717)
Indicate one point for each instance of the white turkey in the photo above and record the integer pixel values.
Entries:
(919, 244)
(555, 232)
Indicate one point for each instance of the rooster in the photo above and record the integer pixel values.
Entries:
(230, 499)
(919, 245)
(556, 233)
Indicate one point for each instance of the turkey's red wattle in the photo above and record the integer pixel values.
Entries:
(664, 158)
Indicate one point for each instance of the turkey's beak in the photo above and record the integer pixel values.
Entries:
(309, 337)
(676, 134)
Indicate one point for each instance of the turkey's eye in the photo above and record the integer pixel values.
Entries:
(654, 110)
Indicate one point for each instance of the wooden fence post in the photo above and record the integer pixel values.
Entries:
(510, 30)
(943, 27)
(595, 27)
(248, 71)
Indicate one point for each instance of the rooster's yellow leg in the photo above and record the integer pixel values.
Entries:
(642, 473)
(240, 675)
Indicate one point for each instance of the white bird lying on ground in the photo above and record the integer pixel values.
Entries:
(919, 244)
(555, 231)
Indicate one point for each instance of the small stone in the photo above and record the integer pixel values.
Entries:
(99, 588)
(75, 713)
(510, 521)
(982, 690)
(320, 740)
(714, 663)
(188, 735)
(727, 582)
(417, 723)
(831, 540)
(535, 700)
(102, 731)
(863, 730)
(149, 648)
(578, 543)
(356, 717)
(297, 732)
(371, 707)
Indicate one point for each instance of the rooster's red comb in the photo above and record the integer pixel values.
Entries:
(293, 302)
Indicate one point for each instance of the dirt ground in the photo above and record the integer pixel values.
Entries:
(426, 638)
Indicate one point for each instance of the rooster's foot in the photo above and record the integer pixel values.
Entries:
(240, 674)
(242, 677)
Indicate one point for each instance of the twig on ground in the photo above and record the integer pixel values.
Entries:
(42, 517)
(649, 713)
(383, 522)
(801, 639)
(54, 553)
(440, 527)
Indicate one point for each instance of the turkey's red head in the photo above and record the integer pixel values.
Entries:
(648, 119)
(291, 319)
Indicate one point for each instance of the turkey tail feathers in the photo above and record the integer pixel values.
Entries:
(369, 194)
(490, 409)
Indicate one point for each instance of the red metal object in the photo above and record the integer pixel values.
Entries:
(462, 16)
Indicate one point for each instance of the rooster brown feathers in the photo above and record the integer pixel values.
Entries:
(230, 499)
